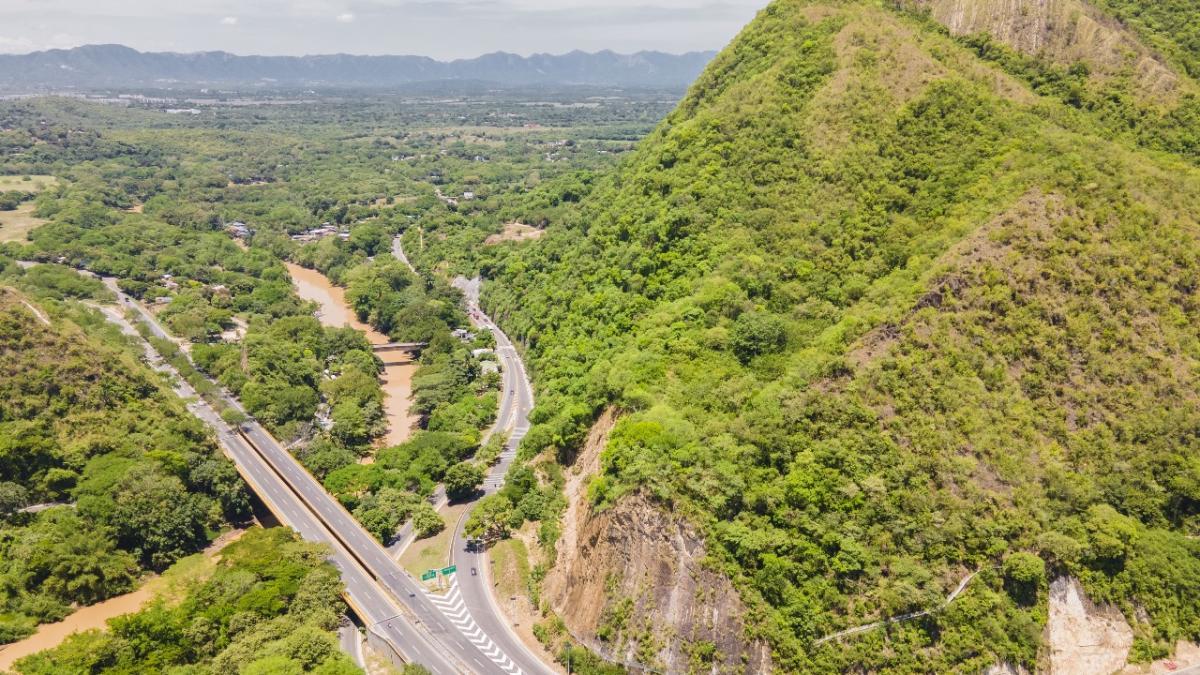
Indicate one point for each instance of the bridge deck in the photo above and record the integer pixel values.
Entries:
(397, 346)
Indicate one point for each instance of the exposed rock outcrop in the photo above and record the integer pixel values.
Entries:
(1064, 31)
(630, 583)
(1082, 638)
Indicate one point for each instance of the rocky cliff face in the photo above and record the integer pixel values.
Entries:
(1063, 31)
(631, 583)
(1082, 638)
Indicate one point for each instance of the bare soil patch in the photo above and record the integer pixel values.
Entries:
(514, 231)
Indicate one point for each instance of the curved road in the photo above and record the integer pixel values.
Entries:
(474, 592)
(374, 606)
(423, 632)
(516, 400)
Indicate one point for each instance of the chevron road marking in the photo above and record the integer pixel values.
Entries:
(452, 606)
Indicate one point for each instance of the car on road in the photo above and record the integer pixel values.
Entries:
(473, 572)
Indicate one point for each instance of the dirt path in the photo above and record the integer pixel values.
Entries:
(962, 585)
(398, 366)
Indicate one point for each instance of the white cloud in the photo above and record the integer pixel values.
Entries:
(346, 17)
(229, 21)
(18, 45)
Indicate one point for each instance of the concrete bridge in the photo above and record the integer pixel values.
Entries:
(398, 346)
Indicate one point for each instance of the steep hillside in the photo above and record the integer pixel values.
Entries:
(1062, 32)
(884, 306)
(120, 478)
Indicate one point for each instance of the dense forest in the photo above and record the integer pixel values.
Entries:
(882, 306)
(133, 482)
(270, 606)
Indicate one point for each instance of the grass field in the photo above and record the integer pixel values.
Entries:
(510, 568)
(426, 554)
(16, 225)
(36, 183)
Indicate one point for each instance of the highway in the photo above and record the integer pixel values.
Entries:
(516, 401)
(375, 606)
(425, 631)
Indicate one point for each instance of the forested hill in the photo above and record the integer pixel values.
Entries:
(132, 480)
(98, 66)
(901, 290)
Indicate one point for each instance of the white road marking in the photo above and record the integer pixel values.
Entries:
(452, 606)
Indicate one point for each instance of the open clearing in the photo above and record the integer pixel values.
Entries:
(15, 225)
(36, 183)
(434, 552)
(514, 232)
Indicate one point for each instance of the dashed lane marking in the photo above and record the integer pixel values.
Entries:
(452, 606)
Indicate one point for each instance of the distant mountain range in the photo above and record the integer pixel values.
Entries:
(106, 66)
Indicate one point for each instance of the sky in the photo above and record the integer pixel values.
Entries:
(443, 29)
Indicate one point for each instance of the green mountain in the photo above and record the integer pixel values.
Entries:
(901, 291)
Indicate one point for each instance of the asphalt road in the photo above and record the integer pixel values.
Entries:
(423, 632)
(516, 401)
(273, 474)
(375, 606)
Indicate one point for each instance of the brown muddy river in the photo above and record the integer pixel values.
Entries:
(398, 366)
(95, 616)
(52, 634)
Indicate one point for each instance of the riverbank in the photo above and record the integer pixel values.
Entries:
(399, 367)
(96, 616)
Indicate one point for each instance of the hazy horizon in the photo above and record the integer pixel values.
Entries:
(356, 54)
(440, 29)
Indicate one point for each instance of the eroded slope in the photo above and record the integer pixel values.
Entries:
(883, 314)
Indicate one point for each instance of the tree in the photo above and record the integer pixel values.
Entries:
(370, 239)
(66, 558)
(756, 333)
(490, 518)
(277, 664)
(323, 457)
(350, 424)
(157, 519)
(426, 521)
(12, 497)
(463, 480)
(1024, 568)
(310, 646)
(1024, 574)
(378, 521)
(58, 481)
(233, 417)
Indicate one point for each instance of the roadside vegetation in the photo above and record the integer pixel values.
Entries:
(195, 216)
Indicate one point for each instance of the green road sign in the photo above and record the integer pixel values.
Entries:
(429, 576)
(450, 570)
